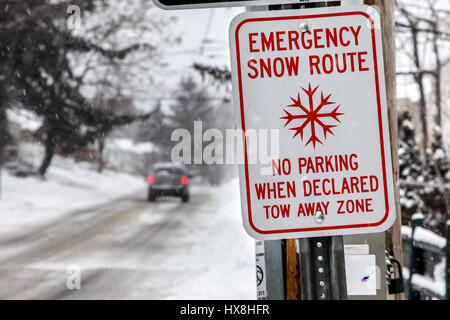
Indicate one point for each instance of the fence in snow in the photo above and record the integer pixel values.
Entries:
(423, 248)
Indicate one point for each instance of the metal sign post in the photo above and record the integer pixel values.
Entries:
(322, 268)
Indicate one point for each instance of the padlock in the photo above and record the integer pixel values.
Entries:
(397, 285)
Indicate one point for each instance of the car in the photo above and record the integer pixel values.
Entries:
(168, 179)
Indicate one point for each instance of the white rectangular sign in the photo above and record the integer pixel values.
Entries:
(195, 4)
(261, 277)
(315, 78)
(361, 275)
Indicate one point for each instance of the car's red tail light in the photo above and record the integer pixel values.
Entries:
(184, 180)
(150, 179)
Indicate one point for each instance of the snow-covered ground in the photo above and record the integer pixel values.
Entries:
(126, 249)
(67, 186)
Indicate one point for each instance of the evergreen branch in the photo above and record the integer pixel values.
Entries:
(220, 75)
(76, 43)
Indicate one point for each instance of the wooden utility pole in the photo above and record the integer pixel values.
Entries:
(386, 9)
(293, 291)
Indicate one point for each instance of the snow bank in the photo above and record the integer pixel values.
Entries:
(67, 186)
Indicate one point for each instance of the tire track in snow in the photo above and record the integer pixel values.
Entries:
(59, 237)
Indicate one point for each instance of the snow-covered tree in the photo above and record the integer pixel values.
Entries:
(156, 129)
(57, 72)
(420, 188)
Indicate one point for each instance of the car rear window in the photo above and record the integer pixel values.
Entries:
(170, 170)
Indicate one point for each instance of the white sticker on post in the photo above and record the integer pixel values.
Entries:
(361, 275)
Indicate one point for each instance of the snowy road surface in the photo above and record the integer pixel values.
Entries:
(131, 249)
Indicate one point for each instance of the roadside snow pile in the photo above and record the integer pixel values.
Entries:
(67, 186)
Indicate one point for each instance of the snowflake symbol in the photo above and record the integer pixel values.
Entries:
(312, 116)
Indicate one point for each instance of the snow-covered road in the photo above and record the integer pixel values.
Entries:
(131, 249)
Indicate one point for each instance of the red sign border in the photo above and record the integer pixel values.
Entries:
(380, 125)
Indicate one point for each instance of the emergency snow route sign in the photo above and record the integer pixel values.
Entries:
(317, 77)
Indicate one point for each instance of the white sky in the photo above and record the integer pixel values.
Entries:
(194, 26)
